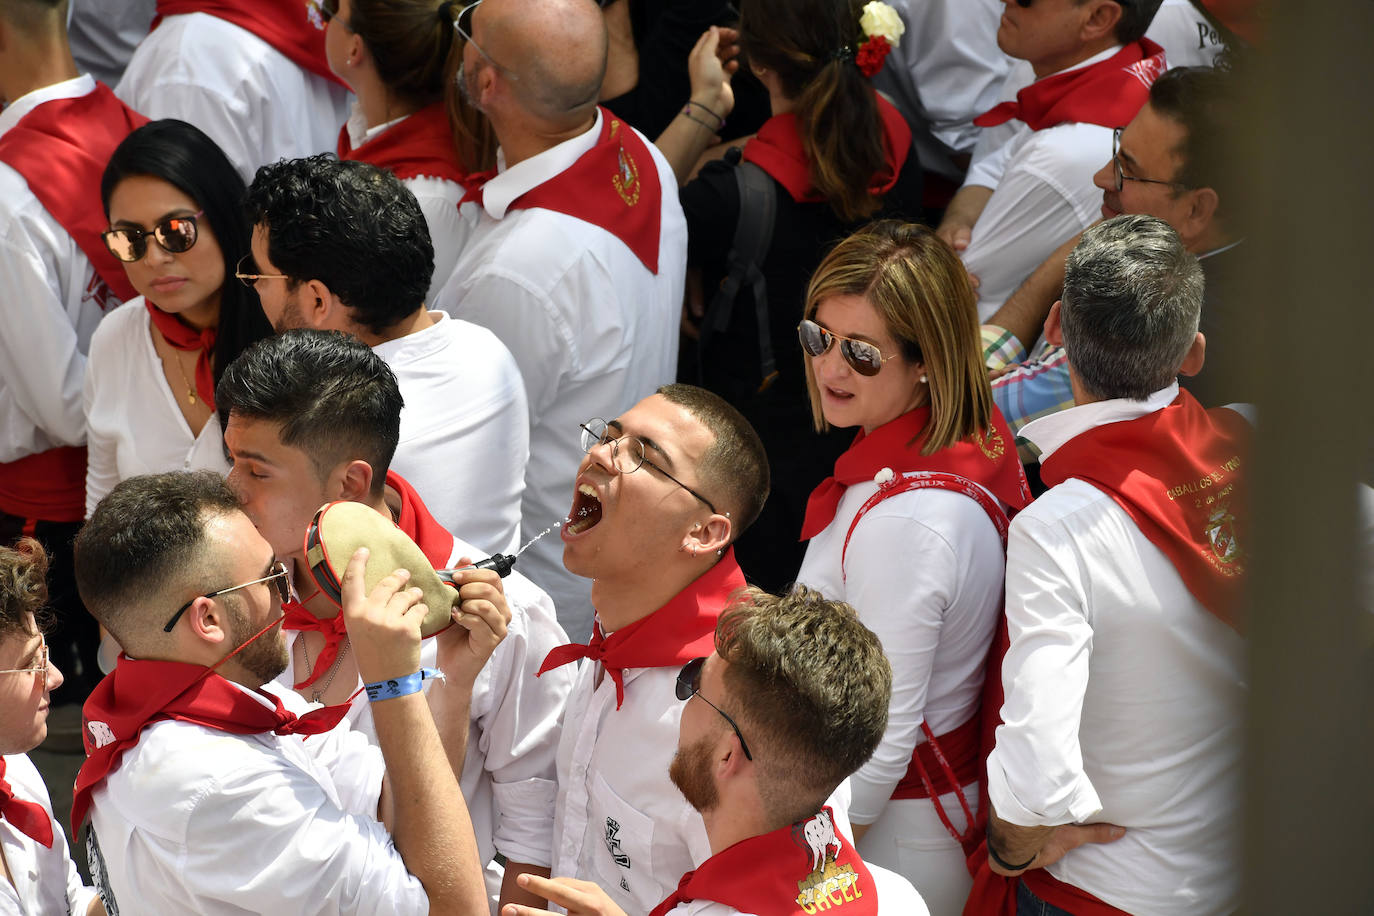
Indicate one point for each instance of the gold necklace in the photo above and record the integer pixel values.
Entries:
(190, 389)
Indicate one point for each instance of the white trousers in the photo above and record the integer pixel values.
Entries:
(909, 839)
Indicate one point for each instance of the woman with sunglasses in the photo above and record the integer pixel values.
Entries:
(403, 60)
(892, 347)
(833, 156)
(175, 206)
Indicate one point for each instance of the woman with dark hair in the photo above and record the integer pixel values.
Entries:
(403, 60)
(909, 530)
(833, 156)
(175, 206)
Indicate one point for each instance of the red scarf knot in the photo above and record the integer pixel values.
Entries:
(301, 620)
(681, 630)
(1107, 93)
(29, 818)
(181, 336)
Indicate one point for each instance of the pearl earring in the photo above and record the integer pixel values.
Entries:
(923, 378)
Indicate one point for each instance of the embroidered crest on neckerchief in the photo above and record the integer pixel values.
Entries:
(626, 179)
(828, 883)
(991, 443)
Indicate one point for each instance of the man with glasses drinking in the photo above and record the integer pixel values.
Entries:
(578, 258)
(662, 492)
(1093, 67)
(792, 700)
(203, 793)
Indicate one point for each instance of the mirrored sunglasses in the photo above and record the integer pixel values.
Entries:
(862, 356)
(175, 234)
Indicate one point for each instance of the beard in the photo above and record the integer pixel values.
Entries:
(264, 657)
(290, 317)
(690, 771)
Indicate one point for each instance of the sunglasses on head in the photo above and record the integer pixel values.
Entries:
(862, 356)
(175, 234)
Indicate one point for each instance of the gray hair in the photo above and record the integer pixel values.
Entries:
(1132, 298)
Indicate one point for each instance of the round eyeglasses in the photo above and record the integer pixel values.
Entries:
(175, 234)
(627, 454)
(40, 661)
(862, 356)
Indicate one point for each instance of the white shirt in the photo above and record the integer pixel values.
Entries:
(252, 100)
(592, 330)
(1125, 697)
(50, 302)
(945, 71)
(133, 422)
(464, 428)
(925, 574)
(249, 824)
(449, 224)
(509, 767)
(43, 880)
(896, 897)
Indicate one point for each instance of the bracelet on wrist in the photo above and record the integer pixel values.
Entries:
(719, 120)
(401, 686)
(692, 117)
(1003, 863)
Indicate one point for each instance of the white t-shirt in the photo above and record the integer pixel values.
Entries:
(464, 428)
(248, 824)
(252, 100)
(591, 328)
(133, 422)
(43, 879)
(50, 303)
(1125, 697)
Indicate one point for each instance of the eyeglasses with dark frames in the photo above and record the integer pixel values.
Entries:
(175, 234)
(277, 576)
(250, 280)
(689, 685)
(628, 459)
(463, 23)
(1122, 177)
(40, 661)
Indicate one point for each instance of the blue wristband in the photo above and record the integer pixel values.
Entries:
(401, 686)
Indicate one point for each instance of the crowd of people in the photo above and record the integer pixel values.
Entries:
(853, 350)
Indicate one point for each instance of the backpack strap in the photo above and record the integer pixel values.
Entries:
(758, 205)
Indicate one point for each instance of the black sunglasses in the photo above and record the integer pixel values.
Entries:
(277, 575)
(862, 356)
(689, 685)
(175, 234)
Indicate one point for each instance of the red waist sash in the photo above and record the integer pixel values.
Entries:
(50, 486)
(927, 776)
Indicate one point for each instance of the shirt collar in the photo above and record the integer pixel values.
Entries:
(67, 89)
(1095, 59)
(507, 186)
(358, 131)
(1049, 433)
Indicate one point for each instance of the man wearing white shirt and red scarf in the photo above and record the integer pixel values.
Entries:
(578, 258)
(206, 792)
(57, 280)
(313, 418)
(660, 496)
(1125, 675)
(250, 73)
(793, 699)
(1093, 70)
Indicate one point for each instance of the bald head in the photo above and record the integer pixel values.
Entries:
(556, 47)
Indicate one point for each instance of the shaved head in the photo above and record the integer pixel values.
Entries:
(557, 48)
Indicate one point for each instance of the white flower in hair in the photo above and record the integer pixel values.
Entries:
(880, 19)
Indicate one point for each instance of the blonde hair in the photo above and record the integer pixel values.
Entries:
(920, 289)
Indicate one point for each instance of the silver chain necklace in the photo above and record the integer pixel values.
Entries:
(317, 692)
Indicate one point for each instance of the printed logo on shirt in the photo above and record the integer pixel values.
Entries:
(626, 180)
(99, 874)
(613, 846)
(100, 294)
(827, 885)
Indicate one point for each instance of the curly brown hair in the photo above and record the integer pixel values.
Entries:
(23, 587)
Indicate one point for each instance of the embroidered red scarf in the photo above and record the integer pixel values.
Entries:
(1180, 473)
(140, 692)
(61, 148)
(420, 145)
(613, 185)
(283, 24)
(806, 867)
(777, 149)
(989, 460)
(681, 630)
(185, 338)
(421, 527)
(29, 818)
(1107, 93)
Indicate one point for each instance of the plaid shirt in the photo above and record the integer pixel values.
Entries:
(1037, 386)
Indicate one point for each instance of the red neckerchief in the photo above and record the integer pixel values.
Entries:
(181, 336)
(420, 145)
(140, 692)
(777, 149)
(681, 630)
(613, 185)
(283, 24)
(61, 148)
(48, 485)
(1179, 473)
(801, 868)
(29, 818)
(421, 527)
(1108, 93)
(989, 460)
